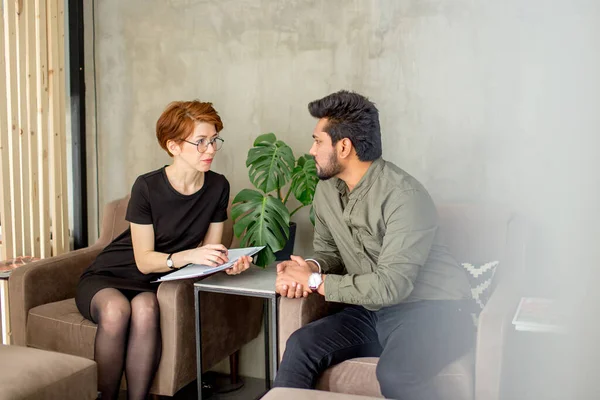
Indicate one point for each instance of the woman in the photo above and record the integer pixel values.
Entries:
(176, 217)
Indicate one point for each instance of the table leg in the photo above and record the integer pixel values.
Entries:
(274, 338)
(267, 327)
(198, 343)
(4, 310)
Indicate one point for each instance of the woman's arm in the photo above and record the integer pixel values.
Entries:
(214, 235)
(149, 261)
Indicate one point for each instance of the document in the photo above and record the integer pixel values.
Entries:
(197, 270)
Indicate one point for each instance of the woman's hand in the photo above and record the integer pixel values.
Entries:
(242, 264)
(209, 254)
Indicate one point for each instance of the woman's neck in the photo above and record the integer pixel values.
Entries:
(184, 180)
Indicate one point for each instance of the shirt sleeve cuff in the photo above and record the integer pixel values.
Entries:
(331, 286)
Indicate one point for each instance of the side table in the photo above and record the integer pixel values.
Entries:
(537, 351)
(4, 307)
(6, 267)
(255, 282)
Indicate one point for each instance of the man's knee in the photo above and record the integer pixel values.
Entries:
(395, 379)
(300, 342)
(298, 366)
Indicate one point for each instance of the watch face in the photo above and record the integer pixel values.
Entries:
(314, 280)
(169, 263)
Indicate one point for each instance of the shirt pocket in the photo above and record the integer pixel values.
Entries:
(371, 248)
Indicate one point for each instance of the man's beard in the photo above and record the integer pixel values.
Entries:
(333, 168)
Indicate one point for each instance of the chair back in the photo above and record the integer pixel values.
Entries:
(479, 233)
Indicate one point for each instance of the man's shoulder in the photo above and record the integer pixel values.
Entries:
(395, 179)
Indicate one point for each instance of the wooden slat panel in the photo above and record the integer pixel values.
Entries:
(33, 153)
(43, 106)
(54, 126)
(23, 184)
(32, 118)
(6, 250)
(63, 129)
(13, 111)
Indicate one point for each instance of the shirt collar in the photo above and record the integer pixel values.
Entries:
(365, 182)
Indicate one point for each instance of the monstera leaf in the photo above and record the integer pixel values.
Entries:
(263, 220)
(271, 162)
(304, 179)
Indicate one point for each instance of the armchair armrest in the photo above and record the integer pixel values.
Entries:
(295, 313)
(495, 323)
(45, 281)
(178, 359)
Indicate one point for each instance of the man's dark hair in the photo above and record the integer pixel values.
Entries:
(351, 115)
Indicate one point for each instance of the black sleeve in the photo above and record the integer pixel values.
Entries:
(220, 213)
(138, 209)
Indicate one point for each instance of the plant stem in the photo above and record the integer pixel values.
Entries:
(279, 194)
(294, 212)
(287, 195)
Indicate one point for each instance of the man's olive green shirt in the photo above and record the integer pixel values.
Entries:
(379, 244)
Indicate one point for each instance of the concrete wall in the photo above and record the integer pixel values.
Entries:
(480, 100)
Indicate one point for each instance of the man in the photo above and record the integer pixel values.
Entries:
(378, 250)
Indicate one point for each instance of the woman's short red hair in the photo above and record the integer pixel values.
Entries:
(179, 119)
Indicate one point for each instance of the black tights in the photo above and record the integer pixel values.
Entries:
(128, 335)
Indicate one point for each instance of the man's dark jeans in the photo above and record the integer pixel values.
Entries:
(414, 341)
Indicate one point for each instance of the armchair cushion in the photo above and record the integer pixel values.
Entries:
(354, 376)
(31, 374)
(59, 327)
(304, 394)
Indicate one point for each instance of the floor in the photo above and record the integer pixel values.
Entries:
(252, 389)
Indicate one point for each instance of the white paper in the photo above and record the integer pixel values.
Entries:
(197, 270)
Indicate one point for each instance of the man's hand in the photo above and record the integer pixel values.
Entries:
(285, 286)
(292, 277)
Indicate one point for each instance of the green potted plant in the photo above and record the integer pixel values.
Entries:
(261, 217)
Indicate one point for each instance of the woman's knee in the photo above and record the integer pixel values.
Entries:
(145, 310)
(114, 315)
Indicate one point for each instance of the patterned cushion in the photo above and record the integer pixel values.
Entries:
(480, 280)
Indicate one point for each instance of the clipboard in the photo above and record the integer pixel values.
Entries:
(198, 270)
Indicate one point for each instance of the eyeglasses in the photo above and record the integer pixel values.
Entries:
(203, 144)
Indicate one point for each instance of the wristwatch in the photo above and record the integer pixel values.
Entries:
(314, 281)
(170, 262)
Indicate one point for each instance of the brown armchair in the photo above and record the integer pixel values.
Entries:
(474, 233)
(44, 314)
